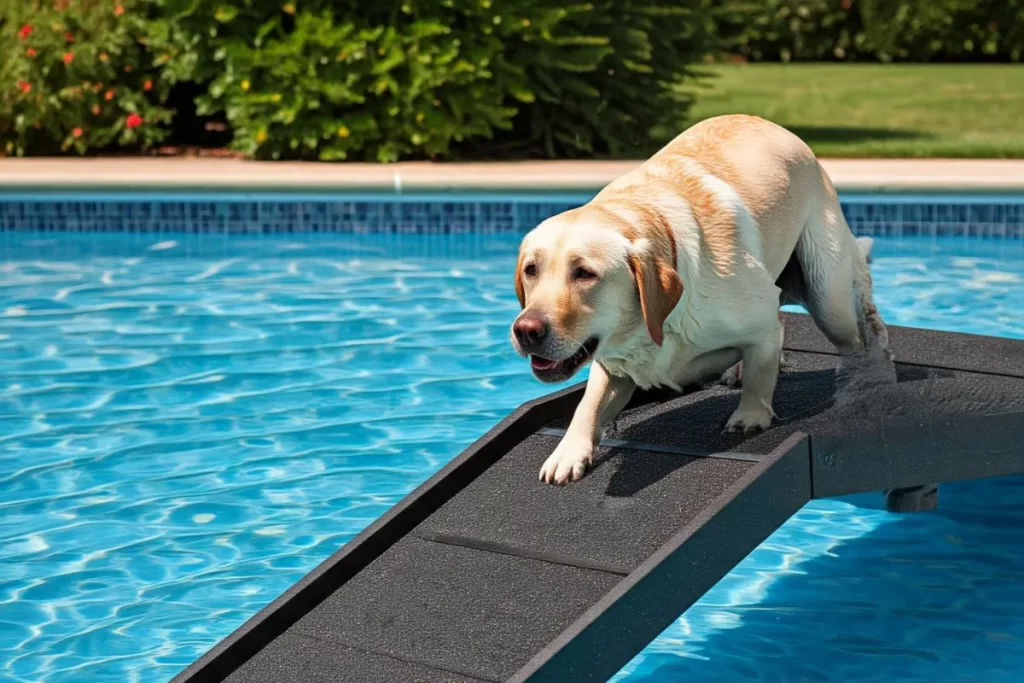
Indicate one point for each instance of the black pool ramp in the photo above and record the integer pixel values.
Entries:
(485, 574)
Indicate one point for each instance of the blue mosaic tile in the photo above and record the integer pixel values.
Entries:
(993, 220)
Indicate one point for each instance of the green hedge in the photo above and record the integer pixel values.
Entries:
(367, 79)
(361, 79)
(382, 80)
(945, 30)
(875, 30)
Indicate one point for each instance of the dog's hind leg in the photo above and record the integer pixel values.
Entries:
(839, 296)
(837, 282)
(795, 291)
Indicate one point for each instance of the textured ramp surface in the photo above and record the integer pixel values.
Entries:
(970, 353)
(295, 658)
(615, 517)
(464, 610)
(807, 399)
(502, 569)
(939, 375)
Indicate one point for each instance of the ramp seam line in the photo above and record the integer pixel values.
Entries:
(502, 549)
(662, 448)
(916, 364)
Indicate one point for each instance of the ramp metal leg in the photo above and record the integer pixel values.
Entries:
(921, 498)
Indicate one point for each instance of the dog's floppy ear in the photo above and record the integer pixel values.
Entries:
(660, 288)
(520, 290)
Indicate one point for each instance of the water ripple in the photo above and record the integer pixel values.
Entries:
(188, 426)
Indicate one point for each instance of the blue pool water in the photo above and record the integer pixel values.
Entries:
(188, 425)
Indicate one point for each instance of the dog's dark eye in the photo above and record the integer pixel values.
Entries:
(584, 274)
(530, 270)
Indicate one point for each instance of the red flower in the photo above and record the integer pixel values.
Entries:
(133, 121)
(69, 37)
(148, 85)
(96, 110)
(68, 57)
(77, 132)
(25, 31)
(109, 95)
(24, 87)
(118, 10)
(846, 4)
(31, 52)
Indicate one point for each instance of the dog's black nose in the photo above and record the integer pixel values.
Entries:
(529, 331)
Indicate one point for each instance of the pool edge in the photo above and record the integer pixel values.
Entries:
(203, 176)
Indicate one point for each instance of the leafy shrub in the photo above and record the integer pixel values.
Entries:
(76, 76)
(379, 80)
(600, 77)
(880, 30)
(441, 79)
(787, 30)
(948, 30)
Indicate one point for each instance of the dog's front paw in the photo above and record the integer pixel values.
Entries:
(569, 462)
(748, 419)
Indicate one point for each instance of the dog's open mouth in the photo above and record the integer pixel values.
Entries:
(548, 370)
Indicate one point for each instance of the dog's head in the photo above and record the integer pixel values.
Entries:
(586, 279)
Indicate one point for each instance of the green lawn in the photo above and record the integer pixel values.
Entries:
(879, 110)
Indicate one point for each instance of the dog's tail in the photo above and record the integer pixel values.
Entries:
(866, 244)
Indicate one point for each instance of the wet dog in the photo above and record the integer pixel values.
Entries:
(675, 272)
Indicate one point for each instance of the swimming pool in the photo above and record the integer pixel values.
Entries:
(191, 422)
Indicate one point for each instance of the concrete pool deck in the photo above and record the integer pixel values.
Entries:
(232, 175)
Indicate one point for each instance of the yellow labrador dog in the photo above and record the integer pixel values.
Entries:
(675, 272)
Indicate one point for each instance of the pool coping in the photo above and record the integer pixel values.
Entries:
(213, 175)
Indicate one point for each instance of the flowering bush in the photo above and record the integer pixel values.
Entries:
(77, 76)
(383, 80)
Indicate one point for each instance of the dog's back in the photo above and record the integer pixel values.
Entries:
(774, 173)
(792, 202)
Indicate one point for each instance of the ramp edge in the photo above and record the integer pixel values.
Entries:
(274, 619)
(624, 621)
(943, 451)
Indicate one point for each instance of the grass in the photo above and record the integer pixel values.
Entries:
(879, 110)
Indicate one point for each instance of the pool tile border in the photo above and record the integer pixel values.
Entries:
(993, 217)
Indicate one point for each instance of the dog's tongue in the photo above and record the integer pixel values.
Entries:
(539, 363)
